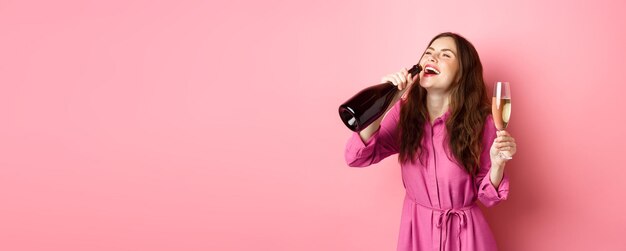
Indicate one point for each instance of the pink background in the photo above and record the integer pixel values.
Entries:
(194, 125)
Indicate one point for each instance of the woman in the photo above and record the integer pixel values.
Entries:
(448, 149)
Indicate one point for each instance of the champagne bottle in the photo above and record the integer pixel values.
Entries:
(369, 104)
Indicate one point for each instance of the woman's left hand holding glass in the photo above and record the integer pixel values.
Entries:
(504, 143)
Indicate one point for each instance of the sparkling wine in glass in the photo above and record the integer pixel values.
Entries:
(501, 108)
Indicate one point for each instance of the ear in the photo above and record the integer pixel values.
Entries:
(457, 82)
(459, 73)
(457, 79)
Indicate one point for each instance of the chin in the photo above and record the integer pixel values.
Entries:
(426, 83)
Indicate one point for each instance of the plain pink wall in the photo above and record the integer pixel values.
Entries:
(194, 125)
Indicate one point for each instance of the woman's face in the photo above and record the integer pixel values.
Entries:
(440, 65)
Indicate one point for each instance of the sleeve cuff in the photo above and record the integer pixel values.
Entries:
(359, 153)
(489, 195)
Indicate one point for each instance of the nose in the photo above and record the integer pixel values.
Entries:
(431, 58)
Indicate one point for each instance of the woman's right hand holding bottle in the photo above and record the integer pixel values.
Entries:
(402, 79)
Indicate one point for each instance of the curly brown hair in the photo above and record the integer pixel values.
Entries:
(469, 107)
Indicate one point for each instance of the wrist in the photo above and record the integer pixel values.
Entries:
(498, 165)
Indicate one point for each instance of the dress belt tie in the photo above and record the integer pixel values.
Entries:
(445, 215)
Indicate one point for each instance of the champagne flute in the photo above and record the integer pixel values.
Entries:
(501, 108)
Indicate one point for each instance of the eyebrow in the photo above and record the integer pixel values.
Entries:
(431, 48)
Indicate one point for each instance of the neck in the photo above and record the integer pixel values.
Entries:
(437, 105)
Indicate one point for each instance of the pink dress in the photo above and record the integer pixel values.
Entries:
(439, 211)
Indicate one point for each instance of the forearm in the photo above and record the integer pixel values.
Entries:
(495, 174)
(370, 130)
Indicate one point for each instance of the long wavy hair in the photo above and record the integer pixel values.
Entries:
(469, 107)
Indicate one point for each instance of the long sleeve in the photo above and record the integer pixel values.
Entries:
(487, 193)
(383, 143)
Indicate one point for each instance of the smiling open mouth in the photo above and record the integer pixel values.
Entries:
(431, 70)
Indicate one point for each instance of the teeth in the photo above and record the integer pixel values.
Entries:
(431, 70)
